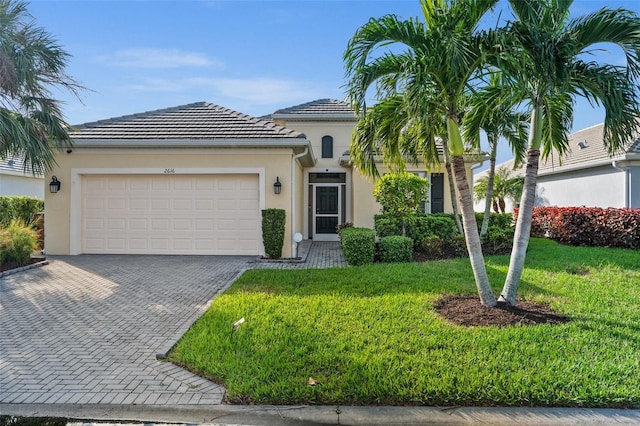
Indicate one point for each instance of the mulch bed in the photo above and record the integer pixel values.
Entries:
(468, 311)
(7, 266)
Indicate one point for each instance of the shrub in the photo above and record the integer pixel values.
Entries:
(457, 246)
(423, 225)
(401, 195)
(17, 242)
(358, 245)
(343, 225)
(22, 208)
(433, 247)
(588, 226)
(273, 221)
(396, 249)
(497, 240)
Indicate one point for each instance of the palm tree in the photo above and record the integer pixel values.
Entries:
(428, 79)
(31, 62)
(496, 121)
(505, 186)
(549, 64)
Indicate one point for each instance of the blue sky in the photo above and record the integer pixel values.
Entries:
(251, 56)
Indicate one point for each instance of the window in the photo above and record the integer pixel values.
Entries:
(436, 193)
(327, 147)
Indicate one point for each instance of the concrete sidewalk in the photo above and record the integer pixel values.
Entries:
(326, 415)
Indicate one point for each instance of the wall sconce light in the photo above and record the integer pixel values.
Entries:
(277, 187)
(54, 185)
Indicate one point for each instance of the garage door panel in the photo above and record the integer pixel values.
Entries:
(176, 214)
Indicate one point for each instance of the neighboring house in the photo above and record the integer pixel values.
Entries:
(194, 178)
(586, 175)
(15, 181)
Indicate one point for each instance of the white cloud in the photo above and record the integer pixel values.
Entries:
(158, 59)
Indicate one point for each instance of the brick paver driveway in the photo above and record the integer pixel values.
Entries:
(86, 329)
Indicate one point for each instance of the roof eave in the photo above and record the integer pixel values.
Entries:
(314, 117)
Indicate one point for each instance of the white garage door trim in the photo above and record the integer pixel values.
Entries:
(75, 237)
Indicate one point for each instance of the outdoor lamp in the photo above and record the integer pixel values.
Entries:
(54, 185)
(277, 187)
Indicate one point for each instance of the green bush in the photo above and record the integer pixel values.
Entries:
(273, 221)
(433, 247)
(386, 226)
(424, 225)
(17, 242)
(497, 240)
(457, 246)
(358, 245)
(396, 249)
(22, 208)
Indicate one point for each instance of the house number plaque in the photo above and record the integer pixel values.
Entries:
(169, 171)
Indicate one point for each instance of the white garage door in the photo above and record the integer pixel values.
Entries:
(170, 214)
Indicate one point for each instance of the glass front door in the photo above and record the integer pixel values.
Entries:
(326, 202)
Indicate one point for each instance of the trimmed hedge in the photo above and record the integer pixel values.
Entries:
(358, 245)
(441, 224)
(587, 226)
(396, 249)
(21, 208)
(273, 221)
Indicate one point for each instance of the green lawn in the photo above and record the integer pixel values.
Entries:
(370, 335)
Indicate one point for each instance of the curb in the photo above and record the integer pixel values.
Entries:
(23, 268)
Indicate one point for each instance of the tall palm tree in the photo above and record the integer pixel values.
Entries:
(439, 59)
(505, 186)
(550, 65)
(31, 63)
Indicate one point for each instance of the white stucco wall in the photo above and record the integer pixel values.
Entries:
(17, 185)
(596, 187)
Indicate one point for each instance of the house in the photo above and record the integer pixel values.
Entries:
(14, 180)
(586, 175)
(194, 178)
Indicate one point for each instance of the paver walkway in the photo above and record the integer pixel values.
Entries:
(86, 329)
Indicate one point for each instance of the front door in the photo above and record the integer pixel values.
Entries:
(327, 201)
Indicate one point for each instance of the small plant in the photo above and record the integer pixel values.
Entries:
(17, 242)
(273, 221)
(396, 249)
(358, 245)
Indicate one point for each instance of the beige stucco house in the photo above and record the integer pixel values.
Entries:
(194, 178)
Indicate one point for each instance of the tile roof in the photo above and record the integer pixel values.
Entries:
(585, 146)
(318, 108)
(201, 120)
(15, 165)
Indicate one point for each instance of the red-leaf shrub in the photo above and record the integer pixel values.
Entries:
(587, 226)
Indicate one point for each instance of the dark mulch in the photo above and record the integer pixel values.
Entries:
(7, 266)
(468, 311)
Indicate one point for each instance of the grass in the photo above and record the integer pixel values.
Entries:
(370, 335)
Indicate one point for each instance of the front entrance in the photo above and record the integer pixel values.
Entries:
(327, 205)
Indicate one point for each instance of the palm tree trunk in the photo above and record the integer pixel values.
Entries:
(493, 142)
(523, 224)
(452, 188)
(472, 237)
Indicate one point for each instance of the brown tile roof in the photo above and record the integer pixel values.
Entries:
(201, 120)
(319, 107)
